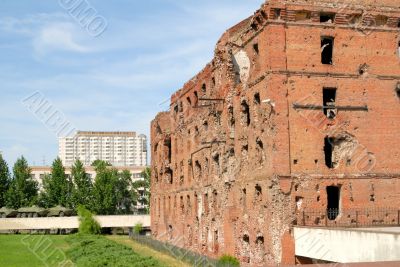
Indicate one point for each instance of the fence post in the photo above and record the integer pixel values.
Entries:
(304, 218)
(398, 217)
(357, 218)
(326, 218)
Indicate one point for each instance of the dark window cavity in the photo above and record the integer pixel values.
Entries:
(205, 125)
(245, 113)
(277, 13)
(329, 102)
(327, 50)
(168, 149)
(196, 99)
(255, 47)
(246, 239)
(333, 195)
(327, 17)
(204, 88)
(257, 98)
(170, 176)
(328, 149)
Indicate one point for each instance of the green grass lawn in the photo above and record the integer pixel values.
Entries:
(167, 260)
(32, 250)
(56, 250)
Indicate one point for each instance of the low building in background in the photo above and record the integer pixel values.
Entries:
(39, 173)
(118, 148)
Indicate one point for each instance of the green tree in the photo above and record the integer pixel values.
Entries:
(104, 190)
(124, 193)
(82, 192)
(144, 185)
(4, 180)
(57, 187)
(23, 190)
(99, 161)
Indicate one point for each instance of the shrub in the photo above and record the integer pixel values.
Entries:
(228, 261)
(137, 229)
(87, 224)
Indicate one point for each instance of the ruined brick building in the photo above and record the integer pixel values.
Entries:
(298, 111)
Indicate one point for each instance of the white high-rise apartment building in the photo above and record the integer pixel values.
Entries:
(118, 148)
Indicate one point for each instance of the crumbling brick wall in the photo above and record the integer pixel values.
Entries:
(274, 122)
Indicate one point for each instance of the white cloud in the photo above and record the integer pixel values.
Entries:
(29, 25)
(57, 37)
(48, 32)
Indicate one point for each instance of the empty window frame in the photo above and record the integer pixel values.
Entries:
(245, 113)
(327, 17)
(303, 15)
(398, 49)
(277, 13)
(328, 149)
(355, 19)
(329, 102)
(333, 199)
(327, 50)
(255, 47)
(397, 89)
(168, 149)
(381, 20)
(196, 99)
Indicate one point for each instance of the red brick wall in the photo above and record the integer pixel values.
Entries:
(233, 174)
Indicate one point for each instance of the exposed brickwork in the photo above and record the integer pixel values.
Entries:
(235, 162)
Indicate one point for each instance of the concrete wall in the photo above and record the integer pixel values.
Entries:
(71, 222)
(348, 245)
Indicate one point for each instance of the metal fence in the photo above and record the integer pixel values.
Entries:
(350, 218)
(178, 253)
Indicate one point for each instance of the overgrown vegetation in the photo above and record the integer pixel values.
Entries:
(138, 228)
(228, 261)
(90, 250)
(87, 224)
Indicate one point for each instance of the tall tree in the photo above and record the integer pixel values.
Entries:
(23, 189)
(4, 180)
(104, 190)
(126, 197)
(82, 192)
(57, 187)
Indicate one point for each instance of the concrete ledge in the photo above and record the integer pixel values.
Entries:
(71, 222)
(348, 245)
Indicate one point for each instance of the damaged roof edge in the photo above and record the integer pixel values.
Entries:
(238, 29)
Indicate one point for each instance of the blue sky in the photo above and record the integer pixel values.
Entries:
(116, 81)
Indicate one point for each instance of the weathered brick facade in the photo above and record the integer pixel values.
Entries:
(301, 101)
